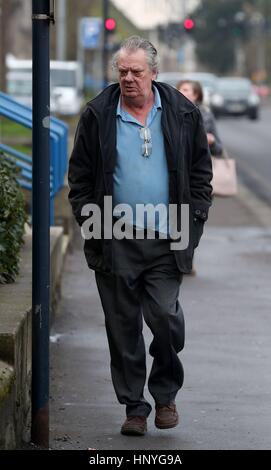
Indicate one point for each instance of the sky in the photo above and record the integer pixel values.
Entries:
(149, 13)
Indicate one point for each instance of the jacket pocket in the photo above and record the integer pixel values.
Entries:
(93, 250)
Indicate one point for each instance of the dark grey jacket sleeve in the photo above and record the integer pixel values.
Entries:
(216, 148)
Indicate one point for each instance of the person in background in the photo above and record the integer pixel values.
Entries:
(192, 90)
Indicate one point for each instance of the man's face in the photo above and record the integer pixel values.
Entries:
(135, 75)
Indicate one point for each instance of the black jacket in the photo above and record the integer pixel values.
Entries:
(93, 160)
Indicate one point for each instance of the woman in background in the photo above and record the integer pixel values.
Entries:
(193, 91)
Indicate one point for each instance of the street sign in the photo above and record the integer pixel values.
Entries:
(91, 32)
(181, 56)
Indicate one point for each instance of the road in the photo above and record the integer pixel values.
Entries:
(250, 143)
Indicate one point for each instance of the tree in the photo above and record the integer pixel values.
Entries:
(7, 9)
(221, 24)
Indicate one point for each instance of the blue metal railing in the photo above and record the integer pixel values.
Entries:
(22, 114)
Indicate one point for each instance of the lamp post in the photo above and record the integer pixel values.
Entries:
(41, 18)
(105, 43)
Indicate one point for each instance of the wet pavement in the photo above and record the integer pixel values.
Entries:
(225, 400)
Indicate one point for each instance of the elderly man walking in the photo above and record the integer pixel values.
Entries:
(142, 142)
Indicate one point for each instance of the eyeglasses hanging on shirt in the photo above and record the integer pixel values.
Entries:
(146, 147)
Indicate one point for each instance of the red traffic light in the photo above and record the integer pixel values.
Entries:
(188, 24)
(110, 24)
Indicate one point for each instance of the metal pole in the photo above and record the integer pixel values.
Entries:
(105, 43)
(80, 49)
(41, 227)
(61, 30)
(184, 9)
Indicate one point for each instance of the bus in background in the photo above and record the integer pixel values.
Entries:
(66, 84)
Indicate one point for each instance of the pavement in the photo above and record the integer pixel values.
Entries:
(225, 400)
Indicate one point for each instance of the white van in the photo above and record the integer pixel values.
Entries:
(19, 86)
(66, 87)
(66, 84)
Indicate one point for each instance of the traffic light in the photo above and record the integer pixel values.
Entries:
(110, 25)
(189, 24)
(170, 33)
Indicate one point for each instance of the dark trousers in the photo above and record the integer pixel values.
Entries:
(145, 282)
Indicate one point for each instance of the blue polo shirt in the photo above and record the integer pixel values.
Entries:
(138, 179)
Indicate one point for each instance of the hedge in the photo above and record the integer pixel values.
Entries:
(12, 220)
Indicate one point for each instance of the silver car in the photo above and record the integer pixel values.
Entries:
(235, 96)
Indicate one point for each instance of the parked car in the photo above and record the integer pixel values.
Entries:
(235, 96)
(207, 81)
(66, 84)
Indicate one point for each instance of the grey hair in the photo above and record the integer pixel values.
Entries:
(132, 44)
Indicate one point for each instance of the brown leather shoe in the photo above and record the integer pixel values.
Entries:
(166, 416)
(134, 426)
